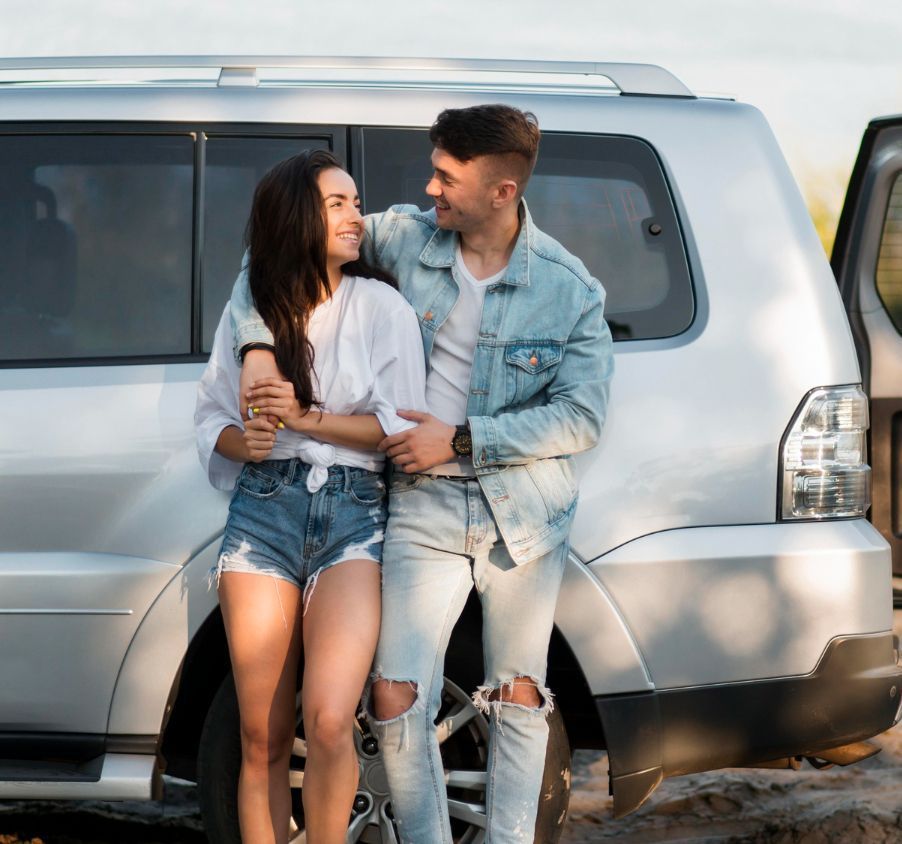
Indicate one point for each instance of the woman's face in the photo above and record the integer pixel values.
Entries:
(343, 221)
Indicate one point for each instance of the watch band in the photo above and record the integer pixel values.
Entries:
(251, 347)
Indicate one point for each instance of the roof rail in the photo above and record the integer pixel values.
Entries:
(630, 79)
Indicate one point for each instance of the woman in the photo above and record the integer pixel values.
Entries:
(309, 507)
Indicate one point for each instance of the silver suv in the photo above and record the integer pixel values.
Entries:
(726, 601)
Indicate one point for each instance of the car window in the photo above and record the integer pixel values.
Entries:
(604, 198)
(233, 166)
(889, 259)
(95, 233)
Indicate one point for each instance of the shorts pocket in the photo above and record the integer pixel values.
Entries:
(368, 489)
(261, 480)
(402, 482)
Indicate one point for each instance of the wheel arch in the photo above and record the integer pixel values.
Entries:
(178, 647)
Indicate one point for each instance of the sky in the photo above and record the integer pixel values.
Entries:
(817, 69)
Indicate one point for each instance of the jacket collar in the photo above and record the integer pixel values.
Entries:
(441, 250)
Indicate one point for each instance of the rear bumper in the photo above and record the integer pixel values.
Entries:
(853, 694)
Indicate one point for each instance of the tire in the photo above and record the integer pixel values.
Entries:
(463, 734)
(218, 765)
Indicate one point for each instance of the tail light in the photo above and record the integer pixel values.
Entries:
(823, 460)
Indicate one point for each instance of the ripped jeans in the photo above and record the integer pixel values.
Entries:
(441, 541)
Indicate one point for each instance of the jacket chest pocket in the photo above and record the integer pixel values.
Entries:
(529, 367)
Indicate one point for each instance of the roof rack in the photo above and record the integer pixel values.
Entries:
(631, 79)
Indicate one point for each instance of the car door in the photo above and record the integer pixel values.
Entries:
(120, 245)
(867, 262)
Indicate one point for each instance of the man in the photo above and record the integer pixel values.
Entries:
(519, 363)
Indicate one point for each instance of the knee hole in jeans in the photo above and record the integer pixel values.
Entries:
(392, 698)
(521, 690)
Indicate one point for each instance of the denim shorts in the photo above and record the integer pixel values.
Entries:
(277, 527)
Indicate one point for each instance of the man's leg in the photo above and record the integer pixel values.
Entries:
(426, 578)
(518, 605)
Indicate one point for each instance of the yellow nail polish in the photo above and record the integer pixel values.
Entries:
(281, 425)
(256, 410)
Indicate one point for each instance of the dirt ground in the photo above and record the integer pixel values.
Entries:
(862, 803)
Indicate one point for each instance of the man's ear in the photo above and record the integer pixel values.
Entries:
(505, 193)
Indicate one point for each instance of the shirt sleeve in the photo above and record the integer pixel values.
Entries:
(246, 324)
(217, 407)
(399, 369)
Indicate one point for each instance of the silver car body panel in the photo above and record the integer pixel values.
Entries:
(598, 635)
(156, 653)
(124, 776)
(747, 602)
(65, 622)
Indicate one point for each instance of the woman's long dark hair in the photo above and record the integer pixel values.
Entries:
(287, 273)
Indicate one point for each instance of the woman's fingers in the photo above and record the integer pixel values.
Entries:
(260, 423)
(269, 382)
(285, 391)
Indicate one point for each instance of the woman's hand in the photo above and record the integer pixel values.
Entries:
(275, 397)
(259, 438)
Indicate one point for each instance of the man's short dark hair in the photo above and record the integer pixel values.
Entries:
(497, 130)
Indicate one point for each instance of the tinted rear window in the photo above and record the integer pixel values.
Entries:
(233, 167)
(889, 260)
(604, 198)
(96, 237)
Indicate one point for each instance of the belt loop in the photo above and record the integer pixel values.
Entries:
(347, 471)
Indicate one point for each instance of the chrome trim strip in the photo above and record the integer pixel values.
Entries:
(630, 78)
(23, 611)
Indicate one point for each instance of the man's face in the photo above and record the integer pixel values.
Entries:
(463, 191)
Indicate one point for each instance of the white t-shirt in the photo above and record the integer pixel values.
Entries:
(368, 358)
(448, 382)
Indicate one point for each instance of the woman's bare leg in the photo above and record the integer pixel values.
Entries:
(262, 615)
(341, 627)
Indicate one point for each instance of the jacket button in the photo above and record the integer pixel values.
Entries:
(482, 456)
(533, 360)
(427, 315)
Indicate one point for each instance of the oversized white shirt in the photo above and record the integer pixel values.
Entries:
(368, 358)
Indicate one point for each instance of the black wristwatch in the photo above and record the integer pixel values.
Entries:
(461, 441)
(252, 347)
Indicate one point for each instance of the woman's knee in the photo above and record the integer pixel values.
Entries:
(263, 746)
(329, 729)
(392, 698)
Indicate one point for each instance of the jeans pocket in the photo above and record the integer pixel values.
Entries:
(401, 482)
(368, 489)
(261, 480)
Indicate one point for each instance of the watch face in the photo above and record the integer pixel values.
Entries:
(462, 444)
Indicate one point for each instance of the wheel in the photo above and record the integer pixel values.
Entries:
(463, 736)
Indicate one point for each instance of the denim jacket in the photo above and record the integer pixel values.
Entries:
(541, 370)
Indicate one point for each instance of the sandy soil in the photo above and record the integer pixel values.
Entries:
(861, 803)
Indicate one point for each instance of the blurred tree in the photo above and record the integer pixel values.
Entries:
(824, 194)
